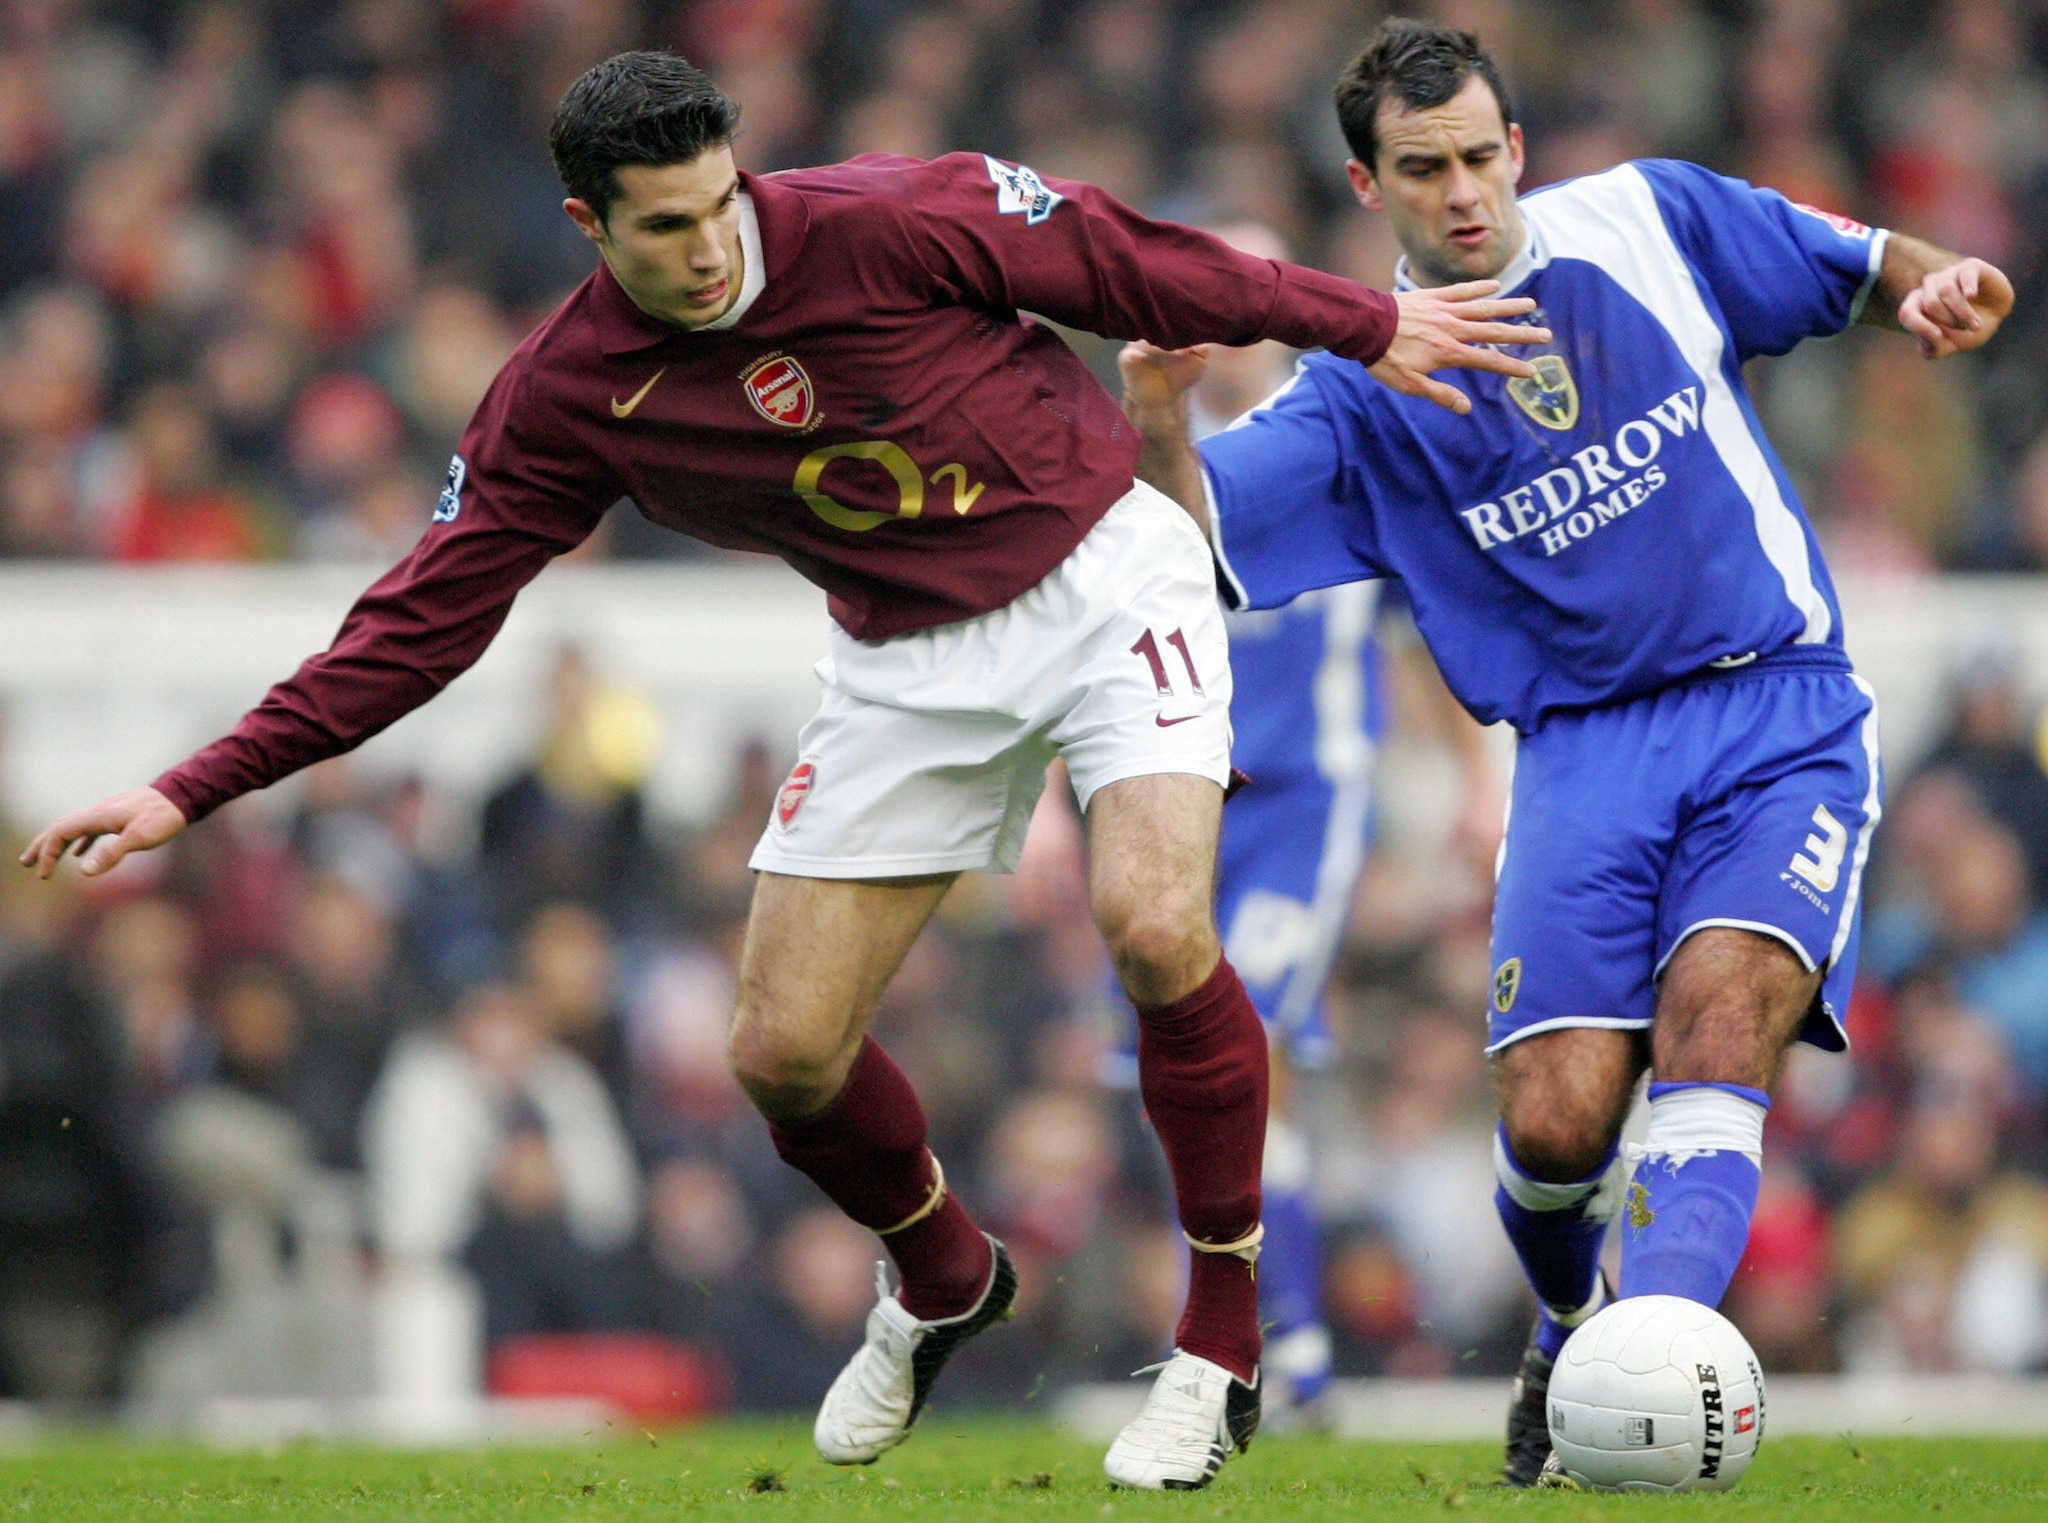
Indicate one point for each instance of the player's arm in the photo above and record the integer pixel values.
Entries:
(422, 625)
(1000, 235)
(1950, 303)
(1156, 387)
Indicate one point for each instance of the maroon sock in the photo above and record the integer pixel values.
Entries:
(1202, 1073)
(866, 1150)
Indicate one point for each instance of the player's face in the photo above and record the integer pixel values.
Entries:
(1446, 179)
(673, 237)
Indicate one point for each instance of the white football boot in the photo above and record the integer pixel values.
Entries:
(1196, 1417)
(877, 1397)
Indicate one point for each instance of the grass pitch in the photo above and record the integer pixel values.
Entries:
(961, 1470)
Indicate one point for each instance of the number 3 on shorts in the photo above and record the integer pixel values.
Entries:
(1148, 647)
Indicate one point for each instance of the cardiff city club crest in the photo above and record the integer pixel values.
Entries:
(1550, 396)
(795, 789)
(1507, 983)
(781, 391)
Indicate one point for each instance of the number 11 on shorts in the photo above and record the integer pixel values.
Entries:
(1148, 647)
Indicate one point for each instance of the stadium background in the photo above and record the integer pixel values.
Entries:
(257, 262)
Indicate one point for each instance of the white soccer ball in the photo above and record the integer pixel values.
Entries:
(1656, 1393)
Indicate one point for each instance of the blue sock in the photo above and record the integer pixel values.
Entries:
(1556, 1231)
(1291, 1267)
(1686, 1218)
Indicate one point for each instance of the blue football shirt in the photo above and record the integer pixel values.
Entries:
(1611, 526)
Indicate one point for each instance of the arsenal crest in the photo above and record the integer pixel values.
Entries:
(795, 789)
(781, 391)
(1550, 396)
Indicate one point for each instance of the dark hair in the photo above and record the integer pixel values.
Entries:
(1418, 63)
(635, 108)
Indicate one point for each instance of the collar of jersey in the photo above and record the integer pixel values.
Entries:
(1531, 257)
(773, 221)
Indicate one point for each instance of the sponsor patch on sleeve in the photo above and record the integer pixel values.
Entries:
(451, 492)
(1020, 191)
(1848, 227)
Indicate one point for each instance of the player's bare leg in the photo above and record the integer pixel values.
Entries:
(818, 955)
(1564, 1095)
(1202, 1072)
(1563, 1098)
(1731, 1002)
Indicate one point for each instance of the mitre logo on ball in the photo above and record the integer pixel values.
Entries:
(795, 789)
(781, 391)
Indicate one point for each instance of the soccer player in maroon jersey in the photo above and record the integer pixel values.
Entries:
(829, 365)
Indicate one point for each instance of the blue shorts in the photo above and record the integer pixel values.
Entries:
(1742, 798)
(1291, 854)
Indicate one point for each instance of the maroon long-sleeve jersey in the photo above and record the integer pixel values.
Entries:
(879, 416)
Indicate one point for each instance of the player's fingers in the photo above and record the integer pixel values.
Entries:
(104, 852)
(1505, 306)
(1956, 311)
(1972, 274)
(1501, 333)
(43, 852)
(1470, 358)
(1915, 321)
(1470, 290)
(67, 834)
(1444, 396)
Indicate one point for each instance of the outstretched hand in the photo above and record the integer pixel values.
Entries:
(1444, 328)
(1957, 308)
(104, 833)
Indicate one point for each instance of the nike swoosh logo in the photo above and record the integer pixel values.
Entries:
(1166, 724)
(625, 409)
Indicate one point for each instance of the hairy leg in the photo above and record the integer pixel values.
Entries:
(818, 955)
(1563, 1098)
(1152, 881)
(1731, 1003)
(1202, 1066)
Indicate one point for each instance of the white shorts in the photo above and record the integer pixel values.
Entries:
(929, 751)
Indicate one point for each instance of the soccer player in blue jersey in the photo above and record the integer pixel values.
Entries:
(1611, 558)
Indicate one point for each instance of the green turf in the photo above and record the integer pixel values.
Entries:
(959, 1470)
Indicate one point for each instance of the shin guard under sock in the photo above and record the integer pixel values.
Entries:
(1685, 1221)
(866, 1150)
(1556, 1230)
(1203, 1077)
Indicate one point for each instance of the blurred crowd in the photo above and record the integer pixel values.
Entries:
(257, 263)
(259, 258)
